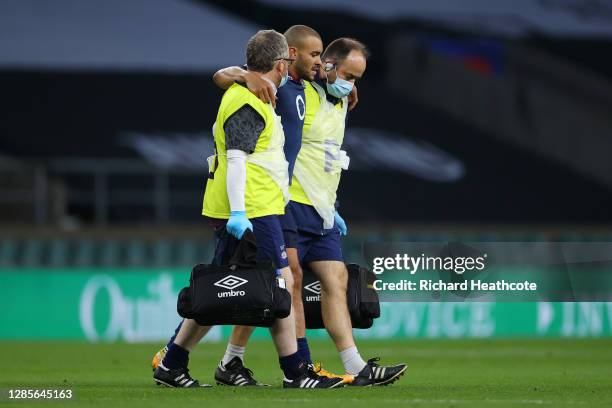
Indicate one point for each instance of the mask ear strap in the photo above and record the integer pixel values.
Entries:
(328, 68)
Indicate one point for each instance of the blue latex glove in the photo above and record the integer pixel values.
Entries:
(238, 223)
(341, 224)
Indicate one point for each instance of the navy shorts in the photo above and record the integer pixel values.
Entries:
(289, 227)
(313, 247)
(313, 242)
(269, 236)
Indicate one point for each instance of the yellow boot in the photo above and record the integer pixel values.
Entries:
(318, 368)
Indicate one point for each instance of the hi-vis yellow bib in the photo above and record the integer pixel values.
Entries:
(266, 189)
(319, 162)
(312, 107)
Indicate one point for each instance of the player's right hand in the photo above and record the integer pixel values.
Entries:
(238, 223)
(262, 88)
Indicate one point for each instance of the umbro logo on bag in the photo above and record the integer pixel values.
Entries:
(230, 282)
(314, 287)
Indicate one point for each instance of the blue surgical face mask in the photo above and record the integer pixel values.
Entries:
(284, 79)
(340, 88)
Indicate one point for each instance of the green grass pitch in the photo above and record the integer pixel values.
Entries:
(457, 373)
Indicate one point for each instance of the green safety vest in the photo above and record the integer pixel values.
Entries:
(266, 189)
(320, 160)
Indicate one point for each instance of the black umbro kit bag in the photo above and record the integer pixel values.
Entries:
(362, 299)
(244, 292)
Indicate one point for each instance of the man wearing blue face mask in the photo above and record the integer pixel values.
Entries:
(316, 177)
(335, 84)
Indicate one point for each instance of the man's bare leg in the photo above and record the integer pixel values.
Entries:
(334, 280)
(236, 346)
(241, 334)
(296, 294)
(190, 334)
(231, 371)
(333, 276)
(293, 366)
(298, 305)
(172, 371)
(283, 330)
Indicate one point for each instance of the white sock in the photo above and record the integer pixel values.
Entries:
(352, 361)
(233, 351)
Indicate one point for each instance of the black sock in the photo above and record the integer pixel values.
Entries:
(292, 365)
(304, 350)
(175, 334)
(176, 357)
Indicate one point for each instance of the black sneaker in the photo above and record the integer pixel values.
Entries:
(310, 379)
(236, 374)
(175, 378)
(374, 374)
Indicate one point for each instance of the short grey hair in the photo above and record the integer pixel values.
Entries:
(264, 48)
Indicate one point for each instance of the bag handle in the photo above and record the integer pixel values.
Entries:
(245, 255)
